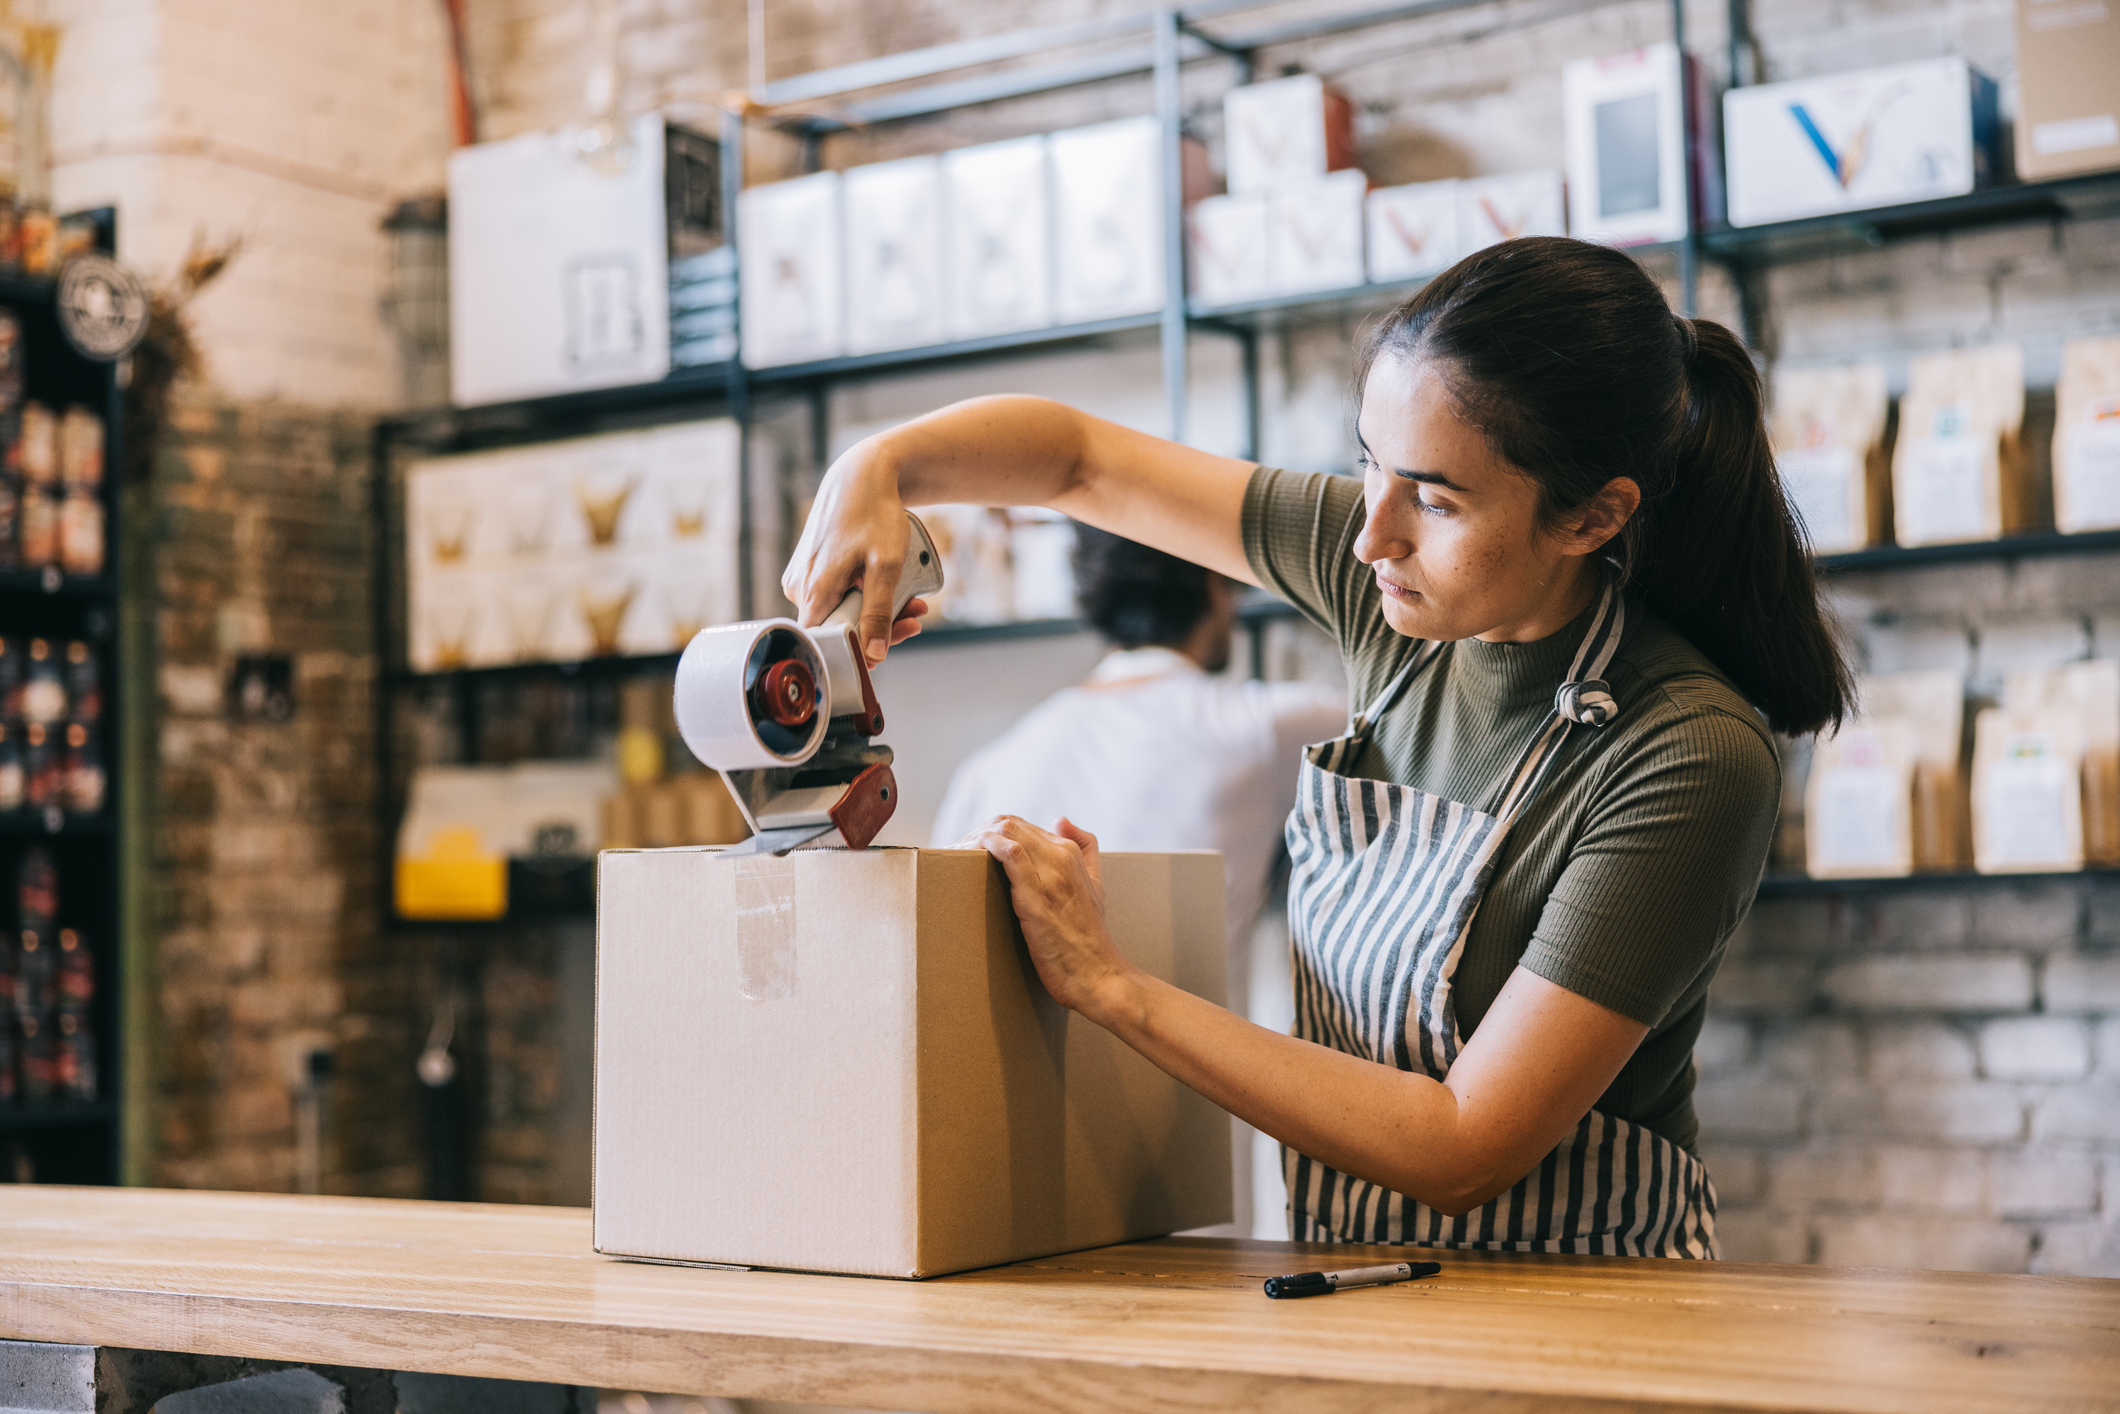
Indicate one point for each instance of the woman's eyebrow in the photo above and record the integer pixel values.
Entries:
(1426, 478)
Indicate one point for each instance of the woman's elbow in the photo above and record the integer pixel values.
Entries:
(1456, 1194)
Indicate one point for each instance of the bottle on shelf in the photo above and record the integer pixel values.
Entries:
(74, 975)
(82, 778)
(36, 976)
(73, 1059)
(35, 1064)
(43, 685)
(12, 782)
(37, 456)
(14, 667)
(43, 768)
(84, 683)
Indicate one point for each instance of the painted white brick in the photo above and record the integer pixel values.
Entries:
(2077, 983)
(2044, 916)
(1812, 1049)
(1967, 1113)
(1739, 1174)
(2035, 1048)
(1919, 1050)
(1813, 1180)
(2080, 1112)
(2043, 1183)
(1724, 1045)
(2107, 1046)
(1978, 983)
(1749, 1109)
(2081, 1249)
(1931, 1180)
(1762, 1235)
(1777, 985)
(1930, 1243)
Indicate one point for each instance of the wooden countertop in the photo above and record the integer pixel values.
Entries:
(1174, 1325)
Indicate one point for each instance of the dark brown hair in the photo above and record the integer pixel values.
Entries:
(1134, 595)
(1566, 356)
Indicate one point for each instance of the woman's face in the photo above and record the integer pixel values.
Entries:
(1452, 529)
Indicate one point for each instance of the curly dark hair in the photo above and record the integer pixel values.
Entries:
(1136, 596)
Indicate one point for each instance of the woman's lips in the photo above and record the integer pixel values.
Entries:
(1395, 589)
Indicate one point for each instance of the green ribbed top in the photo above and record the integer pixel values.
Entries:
(1623, 880)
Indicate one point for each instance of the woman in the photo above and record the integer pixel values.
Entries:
(1573, 600)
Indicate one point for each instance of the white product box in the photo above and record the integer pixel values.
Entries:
(1492, 209)
(1284, 131)
(792, 271)
(1314, 239)
(843, 1061)
(558, 270)
(1849, 142)
(1228, 240)
(1107, 220)
(894, 254)
(1413, 231)
(1626, 142)
(997, 237)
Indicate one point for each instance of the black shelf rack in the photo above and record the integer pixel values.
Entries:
(76, 1141)
(1162, 43)
(1778, 885)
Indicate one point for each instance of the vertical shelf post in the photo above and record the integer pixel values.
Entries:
(1689, 244)
(1170, 110)
(739, 385)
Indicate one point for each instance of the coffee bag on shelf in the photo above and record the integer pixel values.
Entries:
(1958, 471)
(2027, 791)
(2091, 691)
(1859, 805)
(2087, 436)
(1828, 432)
(1932, 706)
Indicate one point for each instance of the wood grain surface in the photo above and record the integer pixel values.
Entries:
(1157, 1327)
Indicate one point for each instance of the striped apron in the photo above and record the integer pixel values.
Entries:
(1384, 883)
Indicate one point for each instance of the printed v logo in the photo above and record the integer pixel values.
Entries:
(1843, 168)
(1510, 229)
(1415, 241)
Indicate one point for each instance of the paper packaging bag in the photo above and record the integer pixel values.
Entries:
(1958, 470)
(1828, 431)
(843, 1061)
(2090, 690)
(2027, 791)
(1859, 803)
(1285, 132)
(894, 254)
(998, 202)
(2068, 107)
(1931, 706)
(1314, 240)
(792, 271)
(1413, 231)
(2087, 436)
(1228, 248)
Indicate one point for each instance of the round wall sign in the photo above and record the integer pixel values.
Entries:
(102, 307)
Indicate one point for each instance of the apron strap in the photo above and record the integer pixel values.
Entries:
(1424, 653)
(1583, 699)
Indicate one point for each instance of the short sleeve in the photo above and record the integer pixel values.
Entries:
(1299, 530)
(1669, 858)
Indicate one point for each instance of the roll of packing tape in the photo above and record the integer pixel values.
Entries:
(715, 713)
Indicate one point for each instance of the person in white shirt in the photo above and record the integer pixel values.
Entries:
(1155, 751)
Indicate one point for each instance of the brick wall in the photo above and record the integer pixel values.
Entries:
(263, 877)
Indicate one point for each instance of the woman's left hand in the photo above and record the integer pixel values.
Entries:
(1058, 892)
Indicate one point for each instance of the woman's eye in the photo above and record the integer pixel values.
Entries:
(1431, 507)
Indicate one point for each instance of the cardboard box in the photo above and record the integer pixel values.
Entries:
(2068, 103)
(558, 270)
(1286, 131)
(1626, 143)
(1107, 220)
(1850, 142)
(894, 254)
(1413, 231)
(793, 271)
(842, 1061)
(1494, 209)
(998, 199)
(1314, 239)
(1228, 241)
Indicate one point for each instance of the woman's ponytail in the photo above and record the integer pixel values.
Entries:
(1719, 555)
(1565, 354)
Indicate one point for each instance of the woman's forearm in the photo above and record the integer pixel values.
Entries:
(1392, 1127)
(996, 451)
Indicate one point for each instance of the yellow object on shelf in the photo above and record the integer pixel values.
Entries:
(455, 879)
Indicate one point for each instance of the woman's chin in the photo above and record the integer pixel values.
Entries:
(1405, 617)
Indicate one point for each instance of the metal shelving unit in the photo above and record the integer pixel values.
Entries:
(1160, 44)
(73, 1141)
(1804, 886)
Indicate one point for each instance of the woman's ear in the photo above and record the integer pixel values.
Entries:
(1602, 516)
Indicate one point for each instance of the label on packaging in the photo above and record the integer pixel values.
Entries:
(1818, 482)
(1858, 821)
(1943, 490)
(765, 927)
(2093, 472)
(2026, 811)
(2075, 135)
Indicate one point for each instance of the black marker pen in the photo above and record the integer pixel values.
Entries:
(1320, 1283)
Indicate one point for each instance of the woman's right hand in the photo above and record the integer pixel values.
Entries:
(855, 538)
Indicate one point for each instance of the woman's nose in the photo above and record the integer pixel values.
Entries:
(1379, 539)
